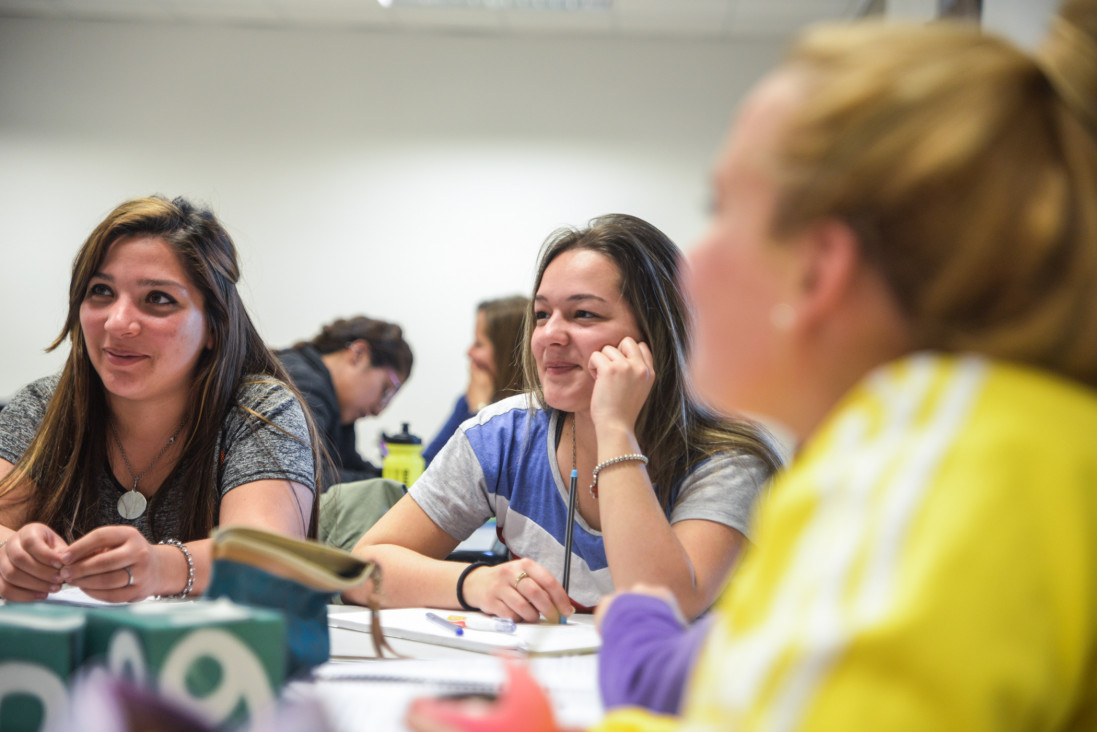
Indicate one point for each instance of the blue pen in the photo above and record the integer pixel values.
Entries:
(475, 622)
(453, 627)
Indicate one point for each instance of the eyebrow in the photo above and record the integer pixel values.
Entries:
(142, 283)
(574, 298)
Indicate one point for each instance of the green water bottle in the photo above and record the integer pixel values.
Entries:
(404, 457)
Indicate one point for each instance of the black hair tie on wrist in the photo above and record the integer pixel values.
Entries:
(461, 585)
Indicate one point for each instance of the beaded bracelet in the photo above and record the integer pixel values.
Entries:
(613, 461)
(190, 570)
(461, 585)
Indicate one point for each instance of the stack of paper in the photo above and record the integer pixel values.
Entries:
(536, 639)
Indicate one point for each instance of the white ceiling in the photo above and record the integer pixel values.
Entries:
(645, 18)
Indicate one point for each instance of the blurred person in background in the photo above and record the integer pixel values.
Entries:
(495, 363)
(351, 370)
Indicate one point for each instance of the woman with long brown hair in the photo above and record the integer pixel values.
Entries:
(169, 417)
(663, 486)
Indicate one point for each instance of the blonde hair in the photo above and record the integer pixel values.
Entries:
(968, 175)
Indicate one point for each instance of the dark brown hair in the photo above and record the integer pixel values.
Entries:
(387, 347)
(67, 455)
(673, 429)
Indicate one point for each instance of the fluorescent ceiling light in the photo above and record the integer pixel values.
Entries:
(555, 5)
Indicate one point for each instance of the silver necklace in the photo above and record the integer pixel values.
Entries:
(572, 492)
(591, 488)
(132, 503)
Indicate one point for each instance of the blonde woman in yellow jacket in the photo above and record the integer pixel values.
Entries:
(902, 268)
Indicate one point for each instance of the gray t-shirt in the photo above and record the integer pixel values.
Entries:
(249, 449)
(502, 464)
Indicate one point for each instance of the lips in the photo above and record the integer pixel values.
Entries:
(122, 356)
(557, 367)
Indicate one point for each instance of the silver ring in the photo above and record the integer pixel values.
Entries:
(130, 573)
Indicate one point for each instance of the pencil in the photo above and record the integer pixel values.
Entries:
(572, 492)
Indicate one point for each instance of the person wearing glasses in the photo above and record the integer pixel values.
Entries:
(349, 371)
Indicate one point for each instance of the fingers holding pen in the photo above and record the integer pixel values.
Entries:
(521, 590)
(542, 599)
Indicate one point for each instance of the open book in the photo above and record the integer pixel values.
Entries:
(578, 635)
(304, 561)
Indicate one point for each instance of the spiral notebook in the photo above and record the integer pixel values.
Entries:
(578, 635)
(375, 694)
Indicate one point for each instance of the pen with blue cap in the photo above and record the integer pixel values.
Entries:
(452, 627)
(572, 492)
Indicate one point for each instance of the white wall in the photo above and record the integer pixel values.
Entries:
(400, 176)
(1023, 21)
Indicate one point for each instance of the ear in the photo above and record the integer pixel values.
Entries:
(359, 350)
(831, 259)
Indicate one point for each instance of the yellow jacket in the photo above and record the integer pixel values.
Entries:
(929, 562)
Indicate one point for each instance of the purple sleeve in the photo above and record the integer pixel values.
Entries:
(647, 654)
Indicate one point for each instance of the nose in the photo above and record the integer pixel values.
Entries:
(122, 319)
(554, 330)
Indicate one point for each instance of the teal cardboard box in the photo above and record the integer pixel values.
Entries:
(226, 662)
(41, 647)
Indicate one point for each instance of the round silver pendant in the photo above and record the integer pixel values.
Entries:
(131, 505)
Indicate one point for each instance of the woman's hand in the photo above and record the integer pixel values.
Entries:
(521, 590)
(623, 377)
(116, 564)
(481, 387)
(30, 562)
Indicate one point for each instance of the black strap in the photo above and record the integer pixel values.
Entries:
(560, 420)
(461, 585)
